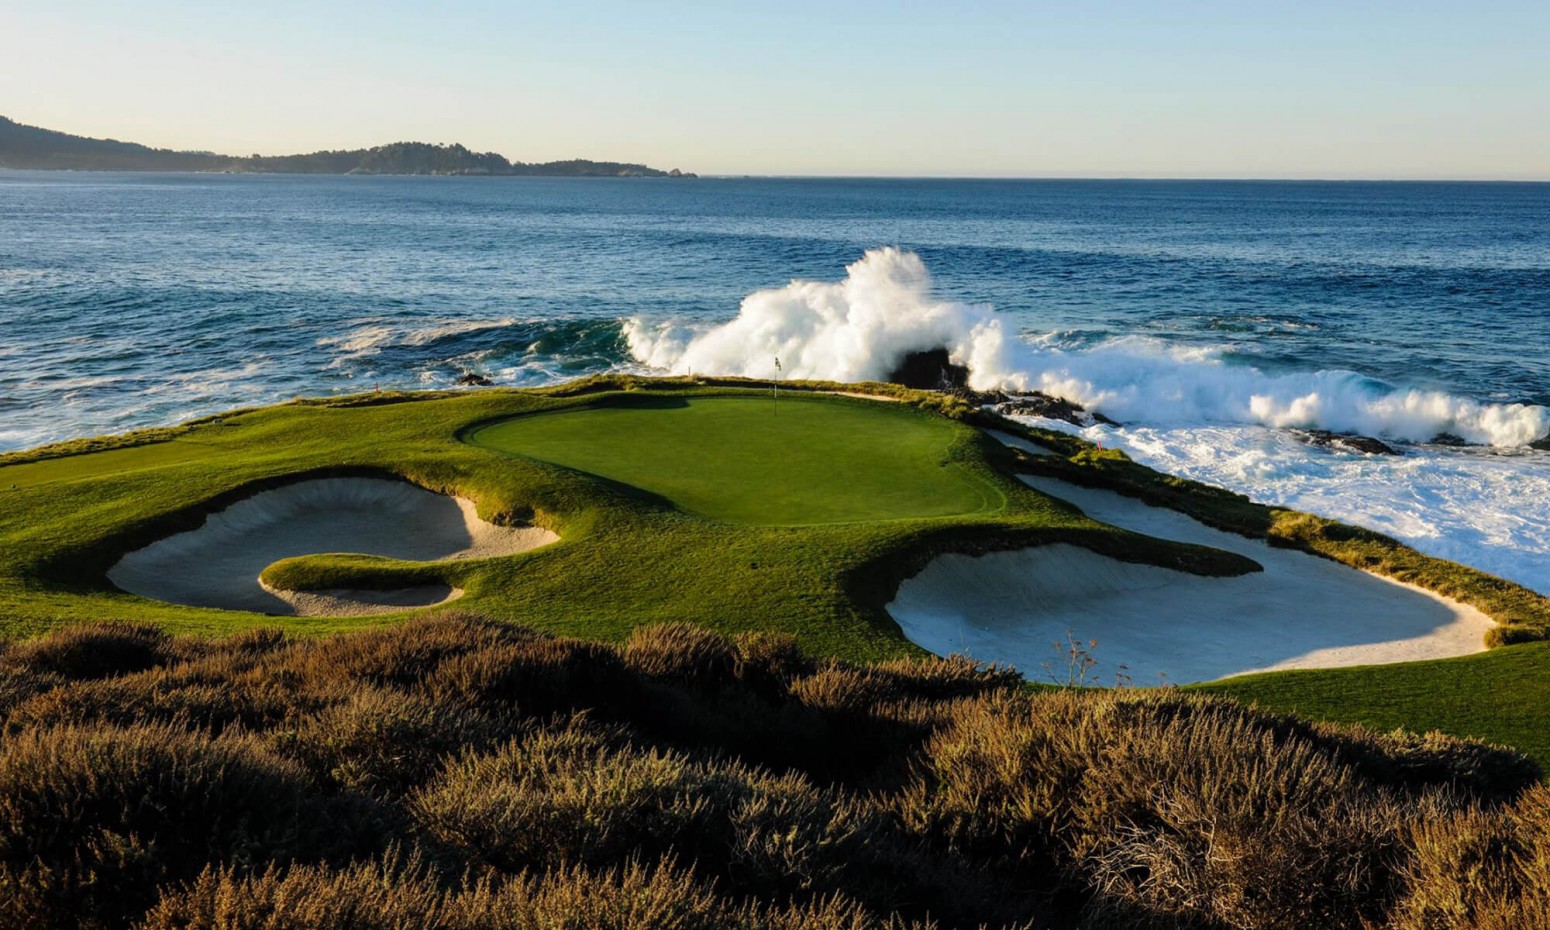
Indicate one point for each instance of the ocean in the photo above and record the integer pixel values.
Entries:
(1209, 318)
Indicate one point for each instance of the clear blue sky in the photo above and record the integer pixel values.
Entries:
(1186, 88)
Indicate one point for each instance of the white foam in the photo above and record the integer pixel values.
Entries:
(857, 329)
(861, 327)
(1489, 510)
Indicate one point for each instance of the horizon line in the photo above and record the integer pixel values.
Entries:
(783, 176)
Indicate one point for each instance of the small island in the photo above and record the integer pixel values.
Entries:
(34, 148)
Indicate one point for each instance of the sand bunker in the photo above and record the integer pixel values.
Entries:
(1164, 625)
(218, 564)
(1018, 442)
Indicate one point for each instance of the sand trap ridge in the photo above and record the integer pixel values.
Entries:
(218, 564)
(1302, 611)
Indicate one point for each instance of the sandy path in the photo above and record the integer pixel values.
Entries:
(218, 564)
(882, 397)
(1301, 612)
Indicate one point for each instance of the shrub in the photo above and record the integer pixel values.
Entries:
(378, 894)
(1413, 762)
(209, 695)
(769, 662)
(406, 896)
(20, 683)
(384, 742)
(1181, 810)
(91, 820)
(406, 654)
(844, 687)
(1511, 634)
(841, 688)
(564, 796)
(684, 655)
(1480, 870)
(581, 795)
(537, 676)
(93, 650)
(231, 781)
(938, 677)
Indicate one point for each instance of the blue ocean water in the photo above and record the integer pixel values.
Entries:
(1206, 316)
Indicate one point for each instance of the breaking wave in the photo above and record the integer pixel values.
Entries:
(860, 328)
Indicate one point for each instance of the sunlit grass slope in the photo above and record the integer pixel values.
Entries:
(756, 460)
(667, 540)
(1502, 696)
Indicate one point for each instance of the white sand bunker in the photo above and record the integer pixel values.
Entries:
(218, 565)
(1302, 611)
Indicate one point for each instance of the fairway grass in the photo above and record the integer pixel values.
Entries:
(802, 461)
(1501, 696)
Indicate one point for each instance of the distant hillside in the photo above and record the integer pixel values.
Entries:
(32, 147)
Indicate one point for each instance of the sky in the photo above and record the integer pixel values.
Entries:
(1179, 88)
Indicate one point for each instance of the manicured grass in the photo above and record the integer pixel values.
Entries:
(626, 557)
(801, 461)
(1502, 696)
(87, 465)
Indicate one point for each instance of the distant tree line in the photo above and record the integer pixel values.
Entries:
(32, 147)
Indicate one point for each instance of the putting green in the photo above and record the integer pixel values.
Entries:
(745, 460)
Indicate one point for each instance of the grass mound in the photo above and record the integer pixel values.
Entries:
(802, 460)
(457, 772)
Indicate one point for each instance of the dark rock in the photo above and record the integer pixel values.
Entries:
(981, 398)
(932, 370)
(1347, 441)
(1542, 443)
(1449, 439)
(1039, 404)
(474, 380)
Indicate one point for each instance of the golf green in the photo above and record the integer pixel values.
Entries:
(798, 461)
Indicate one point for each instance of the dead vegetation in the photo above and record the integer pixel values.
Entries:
(460, 773)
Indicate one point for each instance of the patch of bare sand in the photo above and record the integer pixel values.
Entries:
(218, 564)
(1302, 611)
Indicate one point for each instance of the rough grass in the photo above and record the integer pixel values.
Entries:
(459, 772)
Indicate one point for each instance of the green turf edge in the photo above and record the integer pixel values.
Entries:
(1501, 696)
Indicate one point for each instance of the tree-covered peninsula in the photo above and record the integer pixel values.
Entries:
(31, 147)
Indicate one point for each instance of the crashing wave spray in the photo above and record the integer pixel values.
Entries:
(860, 328)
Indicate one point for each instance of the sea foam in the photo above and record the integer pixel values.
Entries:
(861, 327)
